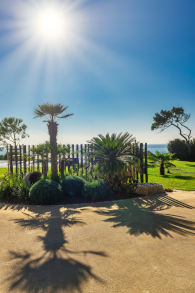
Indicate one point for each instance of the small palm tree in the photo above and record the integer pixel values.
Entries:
(52, 112)
(163, 159)
(113, 156)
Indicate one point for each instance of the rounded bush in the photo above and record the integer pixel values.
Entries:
(73, 185)
(96, 190)
(45, 191)
(32, 178)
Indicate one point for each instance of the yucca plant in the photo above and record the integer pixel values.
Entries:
(163, 160)
(113, 157)
(52, 112)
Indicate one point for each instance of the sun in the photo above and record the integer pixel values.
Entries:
(49, 25)
(49, 28)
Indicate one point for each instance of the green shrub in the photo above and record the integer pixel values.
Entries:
(182, 150)
(32, 177)
(96, 190)
(192, 145)
(45, 191)
(179, 148)
(13, 188)
(73, 186)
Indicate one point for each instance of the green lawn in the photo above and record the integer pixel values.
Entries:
(182, 176)
(2, 172)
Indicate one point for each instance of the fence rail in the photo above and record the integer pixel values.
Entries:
(78, 160)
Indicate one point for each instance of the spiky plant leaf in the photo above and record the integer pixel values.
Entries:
(113, 155)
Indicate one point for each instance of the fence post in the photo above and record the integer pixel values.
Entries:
(90, 159)
(85, 156)
(77, 155)
(29, 159)
(73, 164)
(8, 161)
(20, 150)
(146, 162)
(33, 158)
(11, 159)
(93, 161)
(44, 167)
(68, 158)
(134, 167)
(47, 162)
(82, 158)
(24, 158)
(16, 158)
(38, 166)
(141, 163)
(137, 155)
(64, 157)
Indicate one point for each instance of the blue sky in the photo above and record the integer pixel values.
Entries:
(121, 62)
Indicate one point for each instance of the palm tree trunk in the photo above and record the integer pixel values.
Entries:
(53, 129)
(162, 168)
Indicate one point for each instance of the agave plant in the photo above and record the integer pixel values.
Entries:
(163, 159)
(52, 112)
(113, 156)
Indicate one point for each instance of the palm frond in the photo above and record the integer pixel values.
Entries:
(51, 110)
(113, 154)
(65, 116)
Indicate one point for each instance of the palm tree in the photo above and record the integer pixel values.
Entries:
(163, 159)
(52, 112)
(113, 156)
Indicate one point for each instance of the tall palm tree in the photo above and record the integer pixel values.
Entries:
(52, 112)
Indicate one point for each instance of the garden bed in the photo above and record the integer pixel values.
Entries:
(45, 196)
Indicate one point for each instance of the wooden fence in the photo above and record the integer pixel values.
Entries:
(78, 160)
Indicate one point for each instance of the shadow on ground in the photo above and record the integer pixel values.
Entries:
(141, 216)
(56, 269)
(184, 177)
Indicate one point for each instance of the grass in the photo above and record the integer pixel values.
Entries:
(181, 177)
(2, 172)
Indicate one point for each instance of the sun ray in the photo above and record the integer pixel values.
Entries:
(53, 35)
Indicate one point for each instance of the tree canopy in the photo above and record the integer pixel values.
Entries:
(12, 130)
(175, 117)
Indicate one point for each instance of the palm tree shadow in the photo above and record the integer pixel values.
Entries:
(142, 217)
(56, 269)
(50, 275)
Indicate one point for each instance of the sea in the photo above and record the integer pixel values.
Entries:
(162, 148)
